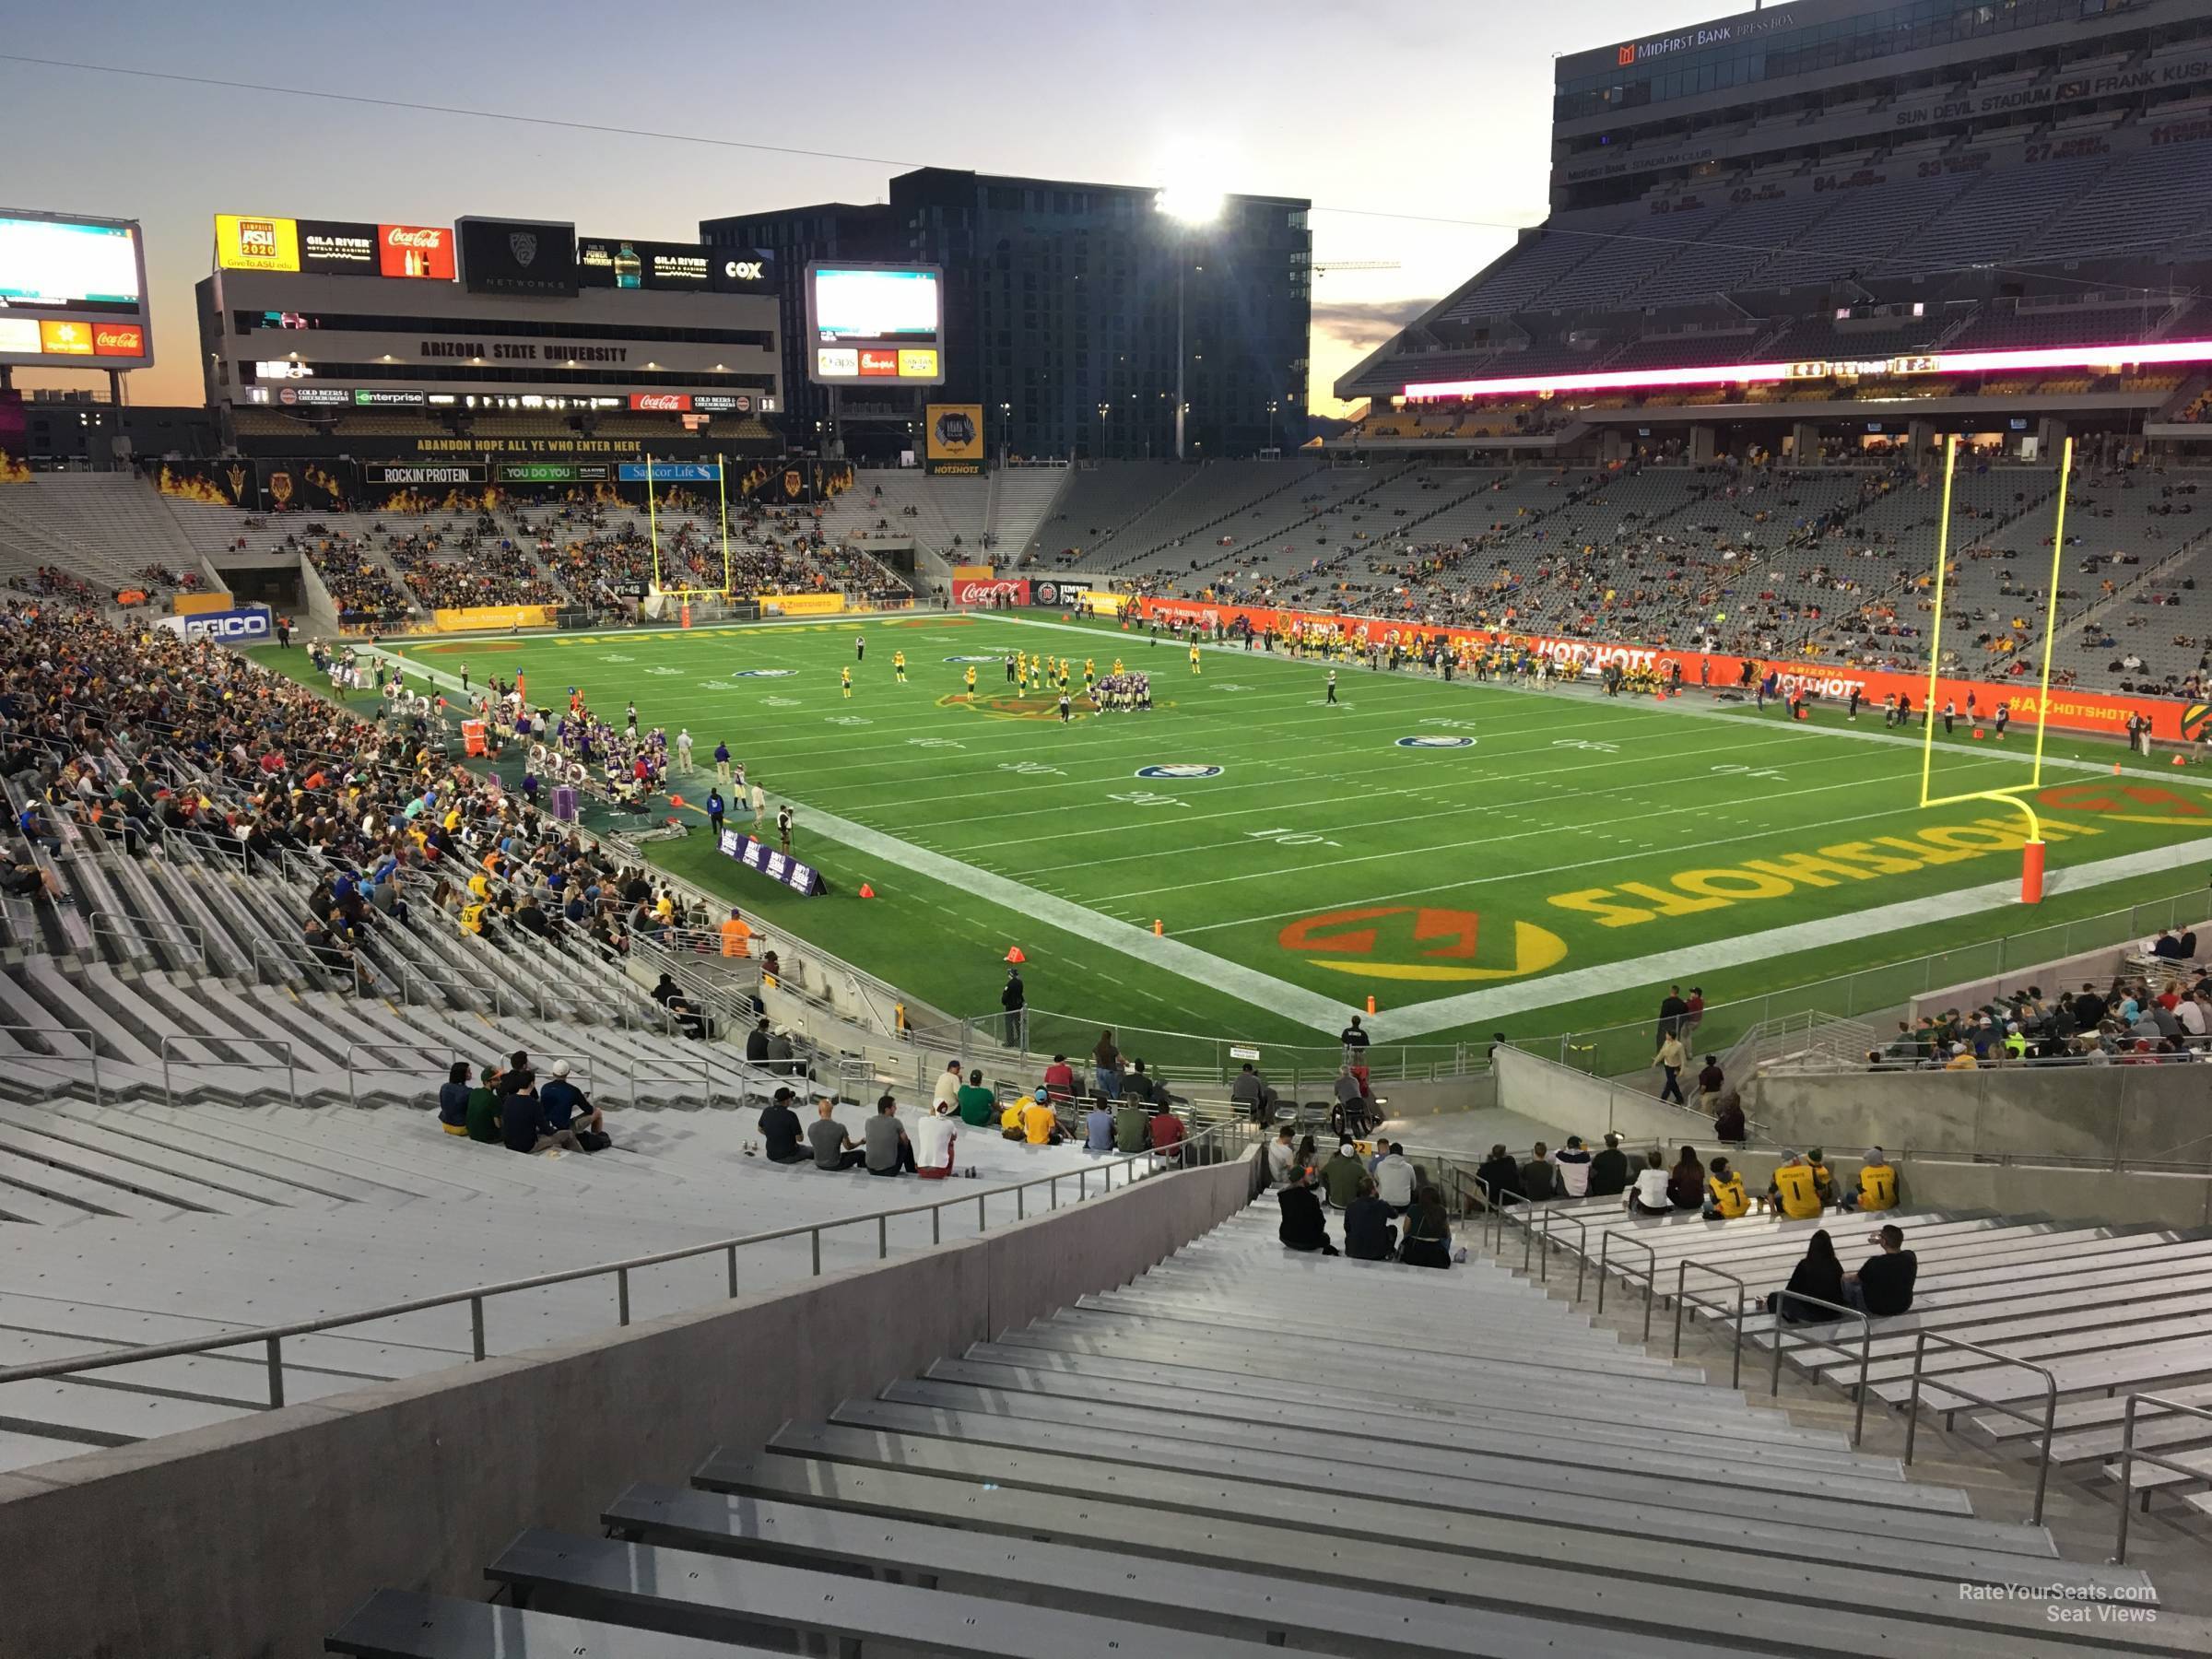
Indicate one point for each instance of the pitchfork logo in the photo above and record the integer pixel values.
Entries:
(523, 244)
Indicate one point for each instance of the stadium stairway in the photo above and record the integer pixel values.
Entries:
(1247, 1450)
(2106, 1309)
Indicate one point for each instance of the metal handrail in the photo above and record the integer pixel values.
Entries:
(91, 1048)
(1650, 1274)
(273, 1336)
(2129, 1455)
(114, 922)
(1683, 1299)
(353, 1070)
(1920, 1351)
(1581, 1248)
(698, 1072)
(1781, 1329)
(291, 1066)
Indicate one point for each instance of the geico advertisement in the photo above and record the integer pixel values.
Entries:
(240, 627)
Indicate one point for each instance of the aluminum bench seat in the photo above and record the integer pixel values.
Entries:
(1359, 1542)
(714, 1595)
(406, 1623)
(1242, 1602)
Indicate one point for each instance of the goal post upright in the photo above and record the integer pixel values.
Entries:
(722, 485)
(2012, 795)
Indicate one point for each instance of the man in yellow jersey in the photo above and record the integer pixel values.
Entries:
(1091, 673)
(1724, 1196)
(845, 676)
(1194, 669)
(1117, 666)
(1792, 1192)
(970, 679)
(899, 666)
(1877, 1184)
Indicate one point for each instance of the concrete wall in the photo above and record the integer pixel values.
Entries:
(2106, 1113)
(1572, 1102)
(251, 1539)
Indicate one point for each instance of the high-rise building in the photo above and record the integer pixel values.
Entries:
(1061, 304)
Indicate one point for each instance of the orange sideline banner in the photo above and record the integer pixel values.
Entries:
(192, 605)
(799, 604)
(972, 572)
(2171, 719)
(470, 618)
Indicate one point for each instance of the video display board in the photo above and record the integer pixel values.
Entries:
(874, 324)
(73, 292)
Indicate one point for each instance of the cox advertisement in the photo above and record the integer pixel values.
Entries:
(2105, 713)
(955, 439)
(996, 593)
(246, 625)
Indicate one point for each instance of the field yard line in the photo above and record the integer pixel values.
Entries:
(1550, 828)
(1693, 960)
(1263, 991)
(1732, 711)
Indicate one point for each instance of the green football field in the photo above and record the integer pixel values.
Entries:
(1476, 858)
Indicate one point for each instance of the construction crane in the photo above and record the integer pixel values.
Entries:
(1322, 267)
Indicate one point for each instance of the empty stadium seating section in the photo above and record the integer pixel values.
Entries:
(1245, 1450)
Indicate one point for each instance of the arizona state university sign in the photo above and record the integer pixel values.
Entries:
(1421, 942)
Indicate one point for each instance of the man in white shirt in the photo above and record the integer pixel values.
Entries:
(1393, 1180)
(2191, 1013)
(1282, 1157)
(949, 1085)
(932, 1139)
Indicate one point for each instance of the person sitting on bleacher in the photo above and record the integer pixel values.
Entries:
(523, 1125)
(1427, 1232)
(1098, 1128)
(1041, 1124)
(1817, 1273)
(1539, 1176)
(1250, 1094)
(1609, 1170)
(977, 1104)
(1059, 1079)
(1794, 1192)
(1571, 1162)
(1165, 1132)
(484, 1108)
(1304, 1227)
(780, 1131)
(1883, 1285)
(1282, 1157)
(566, 1108)
(934, 1137)
(1340, 1177)
(452, 1099)
(1132, 1127)
(1367, 1233)
(1500, 1177)
(2167, 946)
(833, 1148)
(1649, 1195)
(887, 1149)
(1876, 1188)
(1724, 1196)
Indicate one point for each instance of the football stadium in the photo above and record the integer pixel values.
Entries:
(789, 906)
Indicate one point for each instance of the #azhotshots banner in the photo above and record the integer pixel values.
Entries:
(471, 618)
(2172, 721)
(799, 604)
(953, 437)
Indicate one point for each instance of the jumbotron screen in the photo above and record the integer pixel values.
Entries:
(876, 325)
(73, 292)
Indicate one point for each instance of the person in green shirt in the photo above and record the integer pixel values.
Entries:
(1132, 1127)
(978, 1106)
(484, 1108)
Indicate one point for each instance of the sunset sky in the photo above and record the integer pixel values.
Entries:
(1385, 116)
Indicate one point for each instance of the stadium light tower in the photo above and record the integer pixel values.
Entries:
(1189, 206)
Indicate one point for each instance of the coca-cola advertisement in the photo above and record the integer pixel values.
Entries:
(416, 251)
(663, 403)
(996, 593)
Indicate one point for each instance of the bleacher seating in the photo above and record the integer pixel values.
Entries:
(1359, 1458)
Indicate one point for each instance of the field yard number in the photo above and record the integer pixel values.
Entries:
(1146, 797)
(1449, 726)
(1031, 769)
(716, 685)
(936, 743)
(1585, 743)
(780, 702)
(1746, 771)
(617, 656)
(664, 669)
(850, 719)
(1228, 686)
(1291, 838)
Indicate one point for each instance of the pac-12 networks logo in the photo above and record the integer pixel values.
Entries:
(1409, 942)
